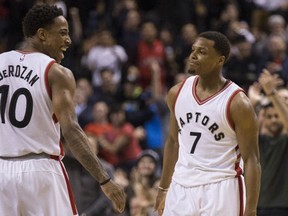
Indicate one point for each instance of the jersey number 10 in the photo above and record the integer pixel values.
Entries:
(4, 90)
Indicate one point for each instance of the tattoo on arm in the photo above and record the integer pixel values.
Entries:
(78, 144)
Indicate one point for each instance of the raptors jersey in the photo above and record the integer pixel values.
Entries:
(208, 149)
(25, 105)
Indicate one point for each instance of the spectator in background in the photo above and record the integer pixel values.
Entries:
(99, 16)
(83, 99)
(167, 36)
(118, 145)
(277, 25)
(100, 124)
(243, 65)
(108, 90)
(184, 43)
(228, 15)
(264, 8)
(144, 107)
(265, 40)
(154, 95)
(106, 54)
(134, 101)
(143, 180)
(129, 35)
(84, 47)
(273, 145)
(121, 10)
(276, 58)
(150, 49)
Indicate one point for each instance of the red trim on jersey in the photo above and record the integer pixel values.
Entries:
(71, 197)
(198, 100)
(240, 182)
(54, 118)
(238, 169)
(230, 121)
(178, 93)
(62, 152)
(49, 91)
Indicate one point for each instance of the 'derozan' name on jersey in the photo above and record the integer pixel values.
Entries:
(19, 71)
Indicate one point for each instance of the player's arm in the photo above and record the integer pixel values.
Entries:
(170, 156)
(246, 128)
(63, 86)
(171, 145)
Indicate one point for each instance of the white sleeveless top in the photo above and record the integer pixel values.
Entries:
(27, 123)
(208, 149)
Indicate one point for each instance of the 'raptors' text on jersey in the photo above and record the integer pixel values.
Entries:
(25, 105)
(208, 150)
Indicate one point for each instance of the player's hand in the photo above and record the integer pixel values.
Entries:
(160, 202)
(116, 194)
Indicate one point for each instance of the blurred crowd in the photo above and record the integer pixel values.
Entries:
(126, 54)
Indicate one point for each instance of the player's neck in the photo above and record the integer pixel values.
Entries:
(211, 84)
(30, 46)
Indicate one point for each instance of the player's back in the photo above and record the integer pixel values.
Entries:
(27, 124)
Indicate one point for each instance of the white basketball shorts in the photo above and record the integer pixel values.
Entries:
(35, 187)
(225, 198)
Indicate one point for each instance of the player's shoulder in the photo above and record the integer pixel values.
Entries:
(59, 73)
(241, 102)
(174, 90)
(59, 70)
(173, 93)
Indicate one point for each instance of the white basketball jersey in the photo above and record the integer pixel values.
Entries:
(27, 124)
(208, 150)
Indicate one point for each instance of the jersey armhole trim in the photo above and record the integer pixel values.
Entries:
(49, 90)
(179, 92)
(228, 114)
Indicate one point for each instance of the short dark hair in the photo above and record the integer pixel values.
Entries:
(39, 16)
(221, 43)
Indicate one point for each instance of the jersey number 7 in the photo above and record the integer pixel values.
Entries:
(197, 137)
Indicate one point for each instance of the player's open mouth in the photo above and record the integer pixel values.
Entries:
(63, 49)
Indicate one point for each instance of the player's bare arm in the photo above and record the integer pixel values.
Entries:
(246, 128)
(171, 150)
(63, 85)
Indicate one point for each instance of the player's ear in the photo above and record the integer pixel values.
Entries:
(41, 33)
(221, 60)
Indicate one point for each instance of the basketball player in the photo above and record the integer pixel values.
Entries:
(36, 98)
(213, 129)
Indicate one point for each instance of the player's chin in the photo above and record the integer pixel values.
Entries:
(191, 71)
